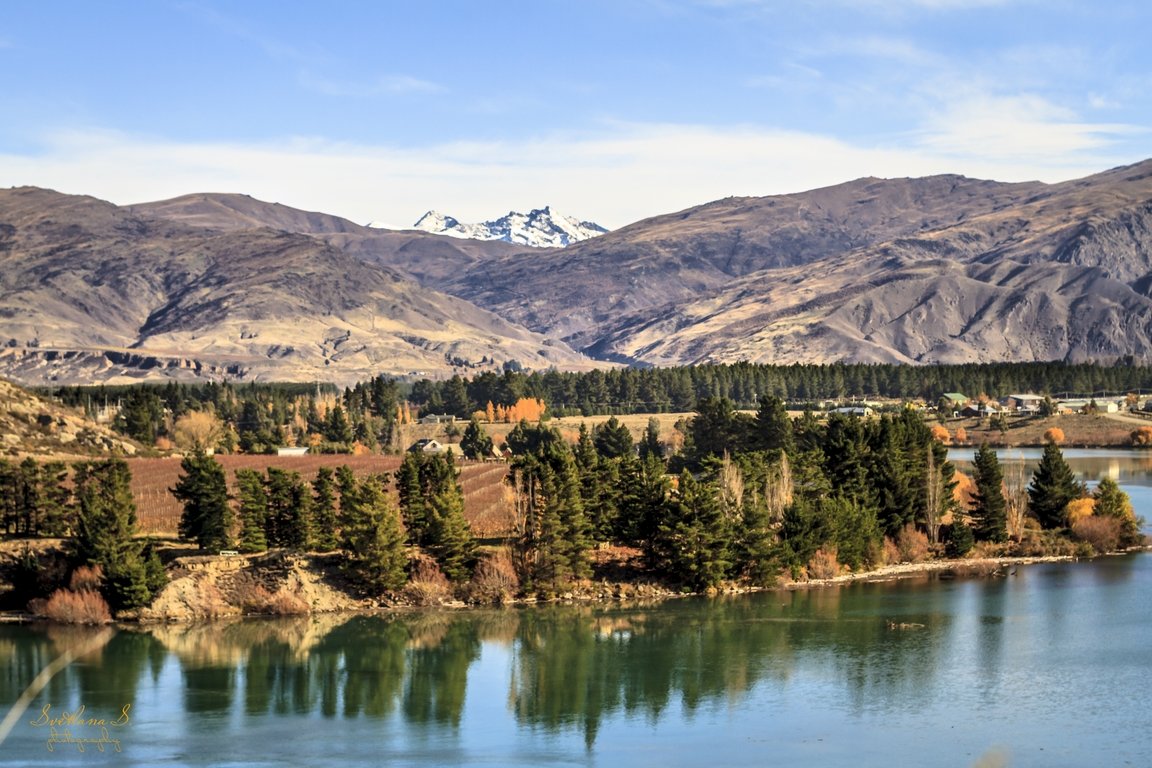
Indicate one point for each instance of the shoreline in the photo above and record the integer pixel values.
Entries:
(624, 593)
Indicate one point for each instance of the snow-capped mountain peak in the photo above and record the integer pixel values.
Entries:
(539, 228)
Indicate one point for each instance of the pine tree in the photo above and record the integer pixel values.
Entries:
(324, 511)
(1053, 487)
(207, 517)
(105, 532)
(650, 443)
(1114, 503)
(692, 540)
(450, 540)
(990, 509)
(373, 536)
(612, 439)
(253, 510)
(288, 520)
(475, 443)
(413, 501)
(772, 429)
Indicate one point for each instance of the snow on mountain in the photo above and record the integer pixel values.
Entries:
(539, 228)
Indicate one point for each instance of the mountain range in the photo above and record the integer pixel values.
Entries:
(936, 269)
(539, 228)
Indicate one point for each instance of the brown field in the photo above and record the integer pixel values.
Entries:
(485, 498)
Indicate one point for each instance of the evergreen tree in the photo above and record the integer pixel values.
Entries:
(692, 539)
(373, 536)
(650, 443)
(1114, 503)
(1053, 487)
(253, 510)
(612, 439)
(105, 532)
(450, 539)
(413, 500)
(55, 499)
(207, 517)
(475, 444)
(324, 522)
(772, 429)
(960, 537)
(288, 520)
(990, 509)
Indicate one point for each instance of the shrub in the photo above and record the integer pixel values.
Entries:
(940, 434)
(87, 578)
(912, 544)
(285, 603)
(83, 607)
(824, 564)
(427, 584)
(1141, 436)
(891, 552)
(1103, 533)
(1078, 509)
(1054, 435)
(494, 580)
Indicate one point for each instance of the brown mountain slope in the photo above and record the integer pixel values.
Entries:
(810, 277)
(426, 258)
(1065, 274)
(680, 256)
(91, 291)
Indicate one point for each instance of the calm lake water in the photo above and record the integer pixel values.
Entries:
(1051, 666)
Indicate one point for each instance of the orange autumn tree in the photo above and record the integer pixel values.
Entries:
(526, 408)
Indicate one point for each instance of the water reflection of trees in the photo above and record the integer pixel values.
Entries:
(571, 668)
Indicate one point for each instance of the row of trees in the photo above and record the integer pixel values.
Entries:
(92, 505)
(371, 519)
(257, 418)
(658, 390)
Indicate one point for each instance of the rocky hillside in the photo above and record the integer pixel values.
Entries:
(942, 269)
(30, 425)
(938, 269)
(90, 291)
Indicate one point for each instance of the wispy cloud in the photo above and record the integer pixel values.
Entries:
(1021, 127)
(381, 85)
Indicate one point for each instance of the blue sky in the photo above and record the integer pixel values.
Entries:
(610, 110)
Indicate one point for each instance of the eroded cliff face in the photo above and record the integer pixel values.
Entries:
(216, 586)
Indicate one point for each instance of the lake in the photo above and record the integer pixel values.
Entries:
(1048, 666)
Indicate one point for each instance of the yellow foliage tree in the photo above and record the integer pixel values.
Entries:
(940, 434)
(197, 429)
(961, 435)
(1054, 435)
(1078, 509)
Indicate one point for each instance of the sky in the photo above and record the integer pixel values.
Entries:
(608, 110)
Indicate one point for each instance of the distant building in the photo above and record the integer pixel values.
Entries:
(292, 450)
(438, 418)
(854, 410)
(428, 445)
(1023, 403)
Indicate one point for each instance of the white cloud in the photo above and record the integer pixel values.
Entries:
(1015, 128)
(381, 85)
(626, 172)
